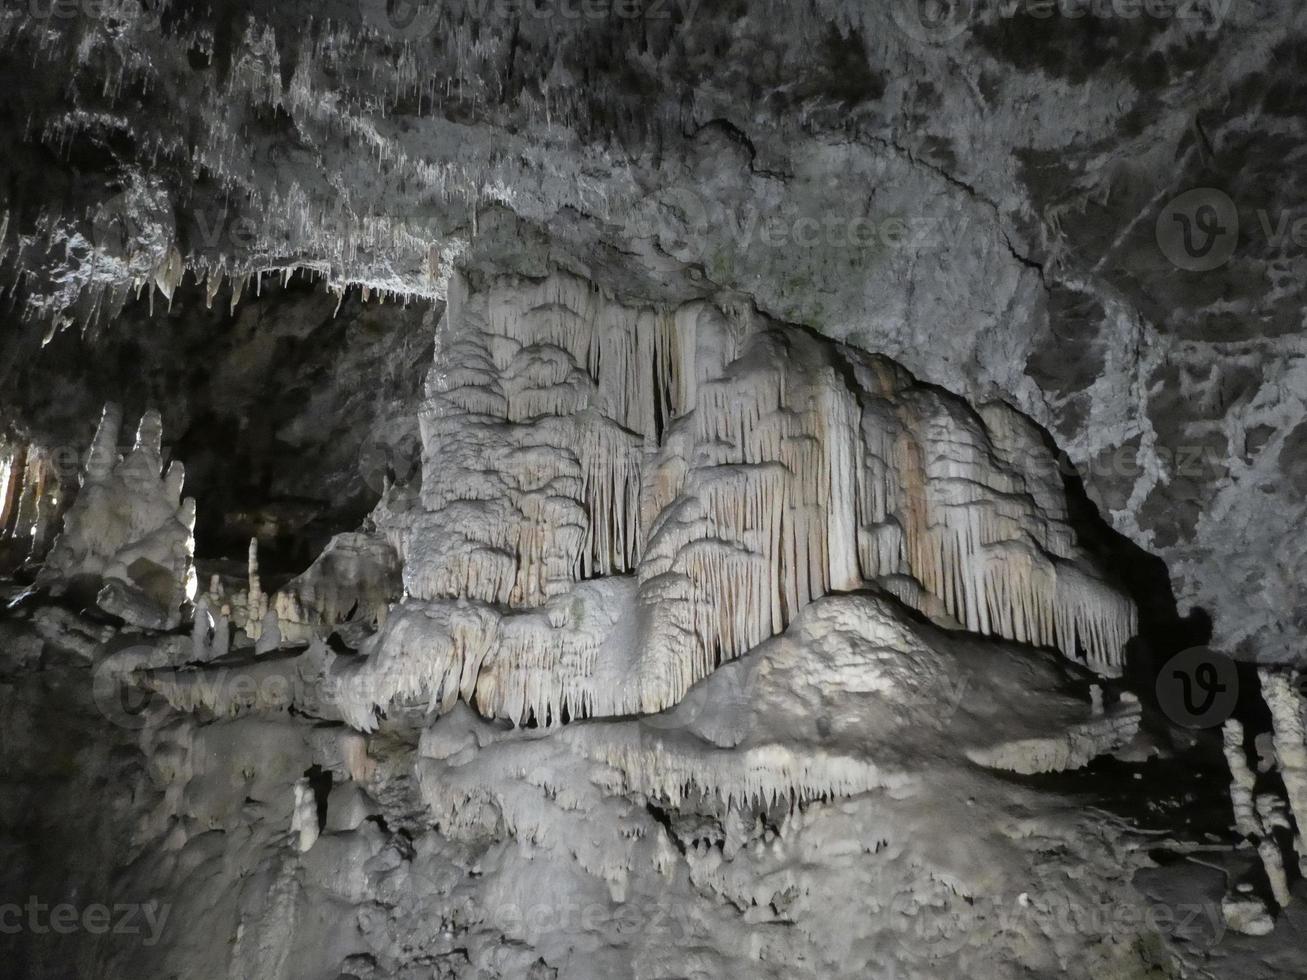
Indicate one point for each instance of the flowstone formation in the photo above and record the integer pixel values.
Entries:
(842, 743)
(617, 498)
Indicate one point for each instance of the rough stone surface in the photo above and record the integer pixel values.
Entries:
(980, 199)
(1077, 229)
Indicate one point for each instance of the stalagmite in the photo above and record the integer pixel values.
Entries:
(1284, 698)
(256, 603)
(202, 630)
(250, 609)
(129, 533)
(269, 633)
(1241, 780)
(304, 816)
(1272, 859)
(1248, 816)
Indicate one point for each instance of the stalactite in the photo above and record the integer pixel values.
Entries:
(919, 502)
(14, 472)
(31, 500)
(542, 486)
(757, 777)
(543, 663)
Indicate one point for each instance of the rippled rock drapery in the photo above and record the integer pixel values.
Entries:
(735, 469)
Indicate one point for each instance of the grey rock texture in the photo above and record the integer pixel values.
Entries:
(990, 198)
(731, 836)
(257, 217)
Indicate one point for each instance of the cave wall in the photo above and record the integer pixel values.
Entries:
(822, 160)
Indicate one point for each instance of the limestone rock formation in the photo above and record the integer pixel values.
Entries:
(677, 489)
(129, 535)
(356, 577)
(734, 470)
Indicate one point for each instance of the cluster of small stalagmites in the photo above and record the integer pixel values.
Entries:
(247, 609)
(128, 533)
(356, 578)
(739, 469)
(1259, 815)
(30, 501)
